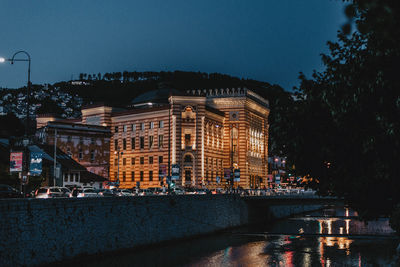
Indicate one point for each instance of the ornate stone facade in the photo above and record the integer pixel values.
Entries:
(205, 133)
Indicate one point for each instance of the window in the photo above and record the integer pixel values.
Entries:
(65, 177)
(124, 144)
(80, 155)
(133, 144)
(151, 140)
(151, 125)
(161, 124)
(141, 176)
(187, 139)
(123, 176)
(160, 159)
(115, 162)
(133, 161)
(115, 175)
(150, 175)
(141, 160)
(142, 126)
(188, 175)
(116, 129)
(160, 140)
(133, 127)
(69, 139)
(116, 144)
(150, 160)
(92, 155)
(124, 161)
(125, 128)
(133, 176)
(142, 142)
(188, 159)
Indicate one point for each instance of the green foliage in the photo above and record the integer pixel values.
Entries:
(346, 122)
(10, 125)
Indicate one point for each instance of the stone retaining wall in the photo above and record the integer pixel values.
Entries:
(39, 231)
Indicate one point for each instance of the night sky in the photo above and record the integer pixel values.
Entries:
(267, 40)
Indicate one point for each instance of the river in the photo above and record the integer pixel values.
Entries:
(330, 237)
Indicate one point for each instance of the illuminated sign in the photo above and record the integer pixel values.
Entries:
(16, 161)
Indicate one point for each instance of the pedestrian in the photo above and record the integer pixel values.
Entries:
(75, 191)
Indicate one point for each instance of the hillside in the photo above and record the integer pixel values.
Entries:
(118, 89)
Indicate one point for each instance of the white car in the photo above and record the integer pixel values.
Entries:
(87, 192)
(48, 192)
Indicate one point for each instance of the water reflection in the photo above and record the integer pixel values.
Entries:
(332, 237)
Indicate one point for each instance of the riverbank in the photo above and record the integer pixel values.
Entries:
(42, 231)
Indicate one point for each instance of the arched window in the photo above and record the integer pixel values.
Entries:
(188, 159)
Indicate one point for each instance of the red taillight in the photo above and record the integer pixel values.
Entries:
(83, 194)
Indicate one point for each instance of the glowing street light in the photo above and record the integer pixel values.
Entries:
(12, 60)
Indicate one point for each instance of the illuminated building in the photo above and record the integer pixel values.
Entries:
(205, 133)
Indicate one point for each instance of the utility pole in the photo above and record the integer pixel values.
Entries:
(55, 156)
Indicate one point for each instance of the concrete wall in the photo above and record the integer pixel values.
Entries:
(38, 231)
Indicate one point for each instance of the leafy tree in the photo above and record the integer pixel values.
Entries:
(345, 123)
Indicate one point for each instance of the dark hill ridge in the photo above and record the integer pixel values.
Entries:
(120, 89)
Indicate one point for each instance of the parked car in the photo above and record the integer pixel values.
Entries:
(145, 192)
(106, 192)
(7, 191)
(48, 192)
(66, 192)
(122, 192)
(178, 191)
(87, 192)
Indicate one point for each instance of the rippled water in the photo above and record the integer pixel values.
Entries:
(332, 237)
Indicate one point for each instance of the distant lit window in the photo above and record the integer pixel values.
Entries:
(133, 143)
(142, 142)
(160, 140)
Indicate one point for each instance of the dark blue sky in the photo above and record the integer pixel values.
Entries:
(267, 40)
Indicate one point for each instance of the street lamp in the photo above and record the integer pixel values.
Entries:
(28, 88)
(118, 153)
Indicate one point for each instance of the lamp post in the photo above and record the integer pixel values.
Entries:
(28, 89)
(118, 153)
